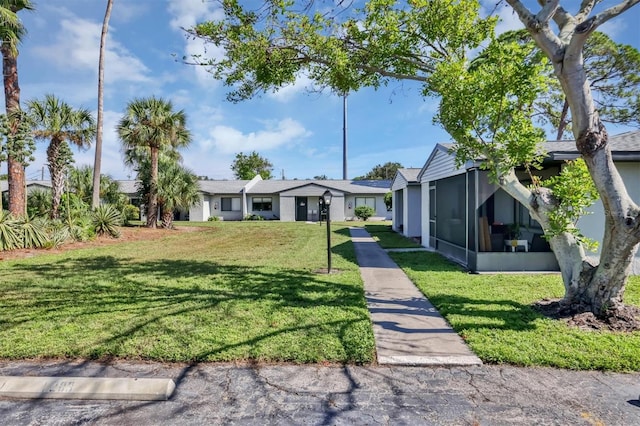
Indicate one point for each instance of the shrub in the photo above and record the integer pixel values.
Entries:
(364, 212)
(253, 217)
(39, 202)
(213, 219)
(130, 212)
(9, 232)
(34, 232)
(106, 219)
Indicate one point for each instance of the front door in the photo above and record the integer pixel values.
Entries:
(301, 209)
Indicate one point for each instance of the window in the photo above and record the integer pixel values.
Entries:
(262, 204)
(230, 204)
(366, 201)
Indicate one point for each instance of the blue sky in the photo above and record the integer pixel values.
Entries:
(300, 133)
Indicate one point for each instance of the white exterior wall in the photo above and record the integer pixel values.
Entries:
(411, 211)
(275, 205)
(288, 208)
(200, 211)
(424, 214)
(349, 201)
(216, 208)
(592, 225)
(398, 203)
(338, 208)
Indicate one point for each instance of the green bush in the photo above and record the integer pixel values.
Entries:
(213, 219)
(106, 219)
(253, 217)
(39, 202)
(130, 212)
(364, 212)
(34, 232)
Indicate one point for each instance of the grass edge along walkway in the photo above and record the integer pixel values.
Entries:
(494, 315)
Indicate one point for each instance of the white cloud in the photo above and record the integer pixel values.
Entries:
(229, 140)
(77, 46)
(185, 15)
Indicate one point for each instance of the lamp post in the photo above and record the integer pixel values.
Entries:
(326, 197)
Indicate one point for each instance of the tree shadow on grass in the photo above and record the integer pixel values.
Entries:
(156, 297)
(464, 312)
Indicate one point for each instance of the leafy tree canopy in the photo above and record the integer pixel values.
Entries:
(384, 171)
(248, 166)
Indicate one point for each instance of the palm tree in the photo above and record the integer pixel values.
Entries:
(11, 32)
(59, 123)
(177, 186)
(97, 164)
(177, 189)
(151, 123)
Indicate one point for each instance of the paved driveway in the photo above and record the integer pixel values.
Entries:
(337, 395)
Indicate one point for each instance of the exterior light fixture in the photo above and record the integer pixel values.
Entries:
(326, 197)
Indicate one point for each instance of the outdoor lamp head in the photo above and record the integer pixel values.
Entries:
(327, 196)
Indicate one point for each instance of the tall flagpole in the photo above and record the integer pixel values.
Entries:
(344, 136)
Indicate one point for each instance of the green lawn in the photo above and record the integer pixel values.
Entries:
(385, 236)
(232, 291)
(250, 291)
(493, 314)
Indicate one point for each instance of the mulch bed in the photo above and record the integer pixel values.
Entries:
(625, 319)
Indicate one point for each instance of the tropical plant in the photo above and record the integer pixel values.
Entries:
(33, 231)
(81, 183)
(364, 212)
(177, 189)
(39, 202)
(106, 219)
(9, 232)
(11, 31)
(57, 122)
(151, 123)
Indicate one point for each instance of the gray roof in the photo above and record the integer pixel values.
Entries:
(128, 186)
(222, 186)
(624, 146)
(410, 175)
(274, 186)
(4, 185)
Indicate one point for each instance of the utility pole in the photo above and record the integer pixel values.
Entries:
(344, 136)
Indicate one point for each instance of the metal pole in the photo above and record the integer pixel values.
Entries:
(328, 239)
(344, 136)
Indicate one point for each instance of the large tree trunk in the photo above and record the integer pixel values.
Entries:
(15, 168)
(152, 210)
(97, 163)
(604, 288)
(167, 219)
(57, 176)
(599, 289)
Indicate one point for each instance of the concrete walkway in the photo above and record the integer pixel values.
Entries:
(407, 328)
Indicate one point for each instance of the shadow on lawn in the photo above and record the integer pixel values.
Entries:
(467, 312)
(152, 292)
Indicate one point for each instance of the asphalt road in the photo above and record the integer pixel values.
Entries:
(215, 394)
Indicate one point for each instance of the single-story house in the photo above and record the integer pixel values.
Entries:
(284, 200)
(472, 221)
(32, 185)
(406, 202)
(288, 200)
